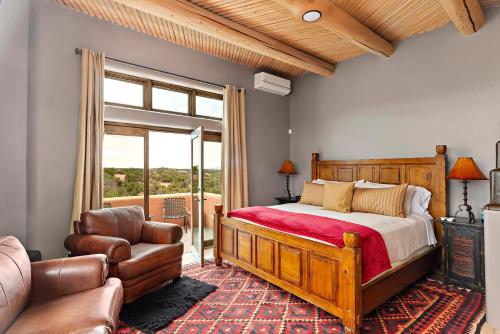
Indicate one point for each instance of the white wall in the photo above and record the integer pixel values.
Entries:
(14, 22)
(54, 96)
(437, 88)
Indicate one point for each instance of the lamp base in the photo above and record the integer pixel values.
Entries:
(466, 207)
(288, 186)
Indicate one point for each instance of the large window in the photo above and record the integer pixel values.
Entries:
(143, 165)
(134, 92)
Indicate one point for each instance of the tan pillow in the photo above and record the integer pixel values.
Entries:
(312, 194)
(382, 201)
(338, 196)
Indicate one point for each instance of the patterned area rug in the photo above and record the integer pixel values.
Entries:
(246, 304)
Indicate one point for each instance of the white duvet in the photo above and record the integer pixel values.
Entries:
(403, 236)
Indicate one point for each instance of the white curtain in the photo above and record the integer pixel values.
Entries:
(235, 174)
(89, 178)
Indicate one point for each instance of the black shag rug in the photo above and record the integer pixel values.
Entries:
(157, 309)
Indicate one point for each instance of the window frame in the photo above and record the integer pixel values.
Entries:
(131, 79)
(140, 130)
(148, 86)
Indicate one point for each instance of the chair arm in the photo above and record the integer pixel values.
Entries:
(161, 233)
(116, 249)
(60, 277)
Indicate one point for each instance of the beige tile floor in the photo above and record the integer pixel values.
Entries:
(188, 257)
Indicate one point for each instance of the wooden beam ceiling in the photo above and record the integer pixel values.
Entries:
(466, 15)
(189, 15)
(343, 24)
(266, 35)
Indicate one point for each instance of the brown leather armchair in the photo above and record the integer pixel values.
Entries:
(142, 254)
(69, 295)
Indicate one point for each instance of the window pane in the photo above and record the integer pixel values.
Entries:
(212, 160)
(206, 106)
(123, 163)
(212, 180)
(123, 92)
(169, 100)
(169, 167)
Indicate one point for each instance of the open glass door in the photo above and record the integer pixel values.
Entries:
(197, 199)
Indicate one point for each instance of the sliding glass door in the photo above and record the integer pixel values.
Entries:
(125, 167)
(197, 196)
(155, 167)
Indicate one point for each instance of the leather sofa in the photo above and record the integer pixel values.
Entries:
(143, 254)
(69, 295)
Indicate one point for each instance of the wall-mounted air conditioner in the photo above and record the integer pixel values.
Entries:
(272, 84)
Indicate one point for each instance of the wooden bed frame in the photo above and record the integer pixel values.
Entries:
(324, 275)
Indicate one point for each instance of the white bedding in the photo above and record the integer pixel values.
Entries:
(403, 237)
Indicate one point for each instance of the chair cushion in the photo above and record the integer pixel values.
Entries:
(15, 280)
(123, 223)
(91, 311)
(148, 257)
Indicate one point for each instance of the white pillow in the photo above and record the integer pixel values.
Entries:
(416, 198)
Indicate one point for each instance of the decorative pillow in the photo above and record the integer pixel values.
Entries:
(410, 193)
(312, 194)
(338, 196)
(382, 201)
(416, 199)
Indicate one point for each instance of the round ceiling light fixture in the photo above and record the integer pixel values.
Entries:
(311, 15)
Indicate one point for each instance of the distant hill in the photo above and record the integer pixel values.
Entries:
(120, 182)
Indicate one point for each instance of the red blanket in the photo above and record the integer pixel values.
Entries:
(374, 256)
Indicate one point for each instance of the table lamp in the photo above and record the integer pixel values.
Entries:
(287, 168)
(465, 169)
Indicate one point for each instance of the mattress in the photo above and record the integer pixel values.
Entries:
(405, 238)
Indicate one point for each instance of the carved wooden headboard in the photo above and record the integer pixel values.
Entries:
(429, 173)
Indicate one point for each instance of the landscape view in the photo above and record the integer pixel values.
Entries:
(123, 182)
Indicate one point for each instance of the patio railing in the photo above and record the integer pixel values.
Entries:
(156, 205)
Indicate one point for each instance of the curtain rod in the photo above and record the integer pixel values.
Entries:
(78, 51)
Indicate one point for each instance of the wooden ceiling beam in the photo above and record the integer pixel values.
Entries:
(189, 15)
(466, 15)
(342, 23)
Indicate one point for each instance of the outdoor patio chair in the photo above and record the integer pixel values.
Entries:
(175, 208)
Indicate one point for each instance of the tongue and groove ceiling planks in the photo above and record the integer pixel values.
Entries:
(270, 34)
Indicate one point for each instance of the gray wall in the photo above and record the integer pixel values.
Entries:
(14, 23)
(437, 88)
(54, 96)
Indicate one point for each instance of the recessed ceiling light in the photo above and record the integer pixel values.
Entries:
(311, 16)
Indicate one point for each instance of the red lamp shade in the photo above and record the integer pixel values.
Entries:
(287, 168)
(466, 169)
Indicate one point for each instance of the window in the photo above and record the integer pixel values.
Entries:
(120, 92)
(150, 95)
(210, 107)
(143, 165)
(169, 100)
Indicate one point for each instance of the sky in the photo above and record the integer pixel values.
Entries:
(171, 150)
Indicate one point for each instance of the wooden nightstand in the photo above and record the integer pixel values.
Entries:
(285, 200)
(464, 253)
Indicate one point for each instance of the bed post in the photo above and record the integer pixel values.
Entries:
(314, 166)
(439, 210)
(351, 283)
(217, 220)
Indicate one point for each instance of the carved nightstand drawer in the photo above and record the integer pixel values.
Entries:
(464, 253)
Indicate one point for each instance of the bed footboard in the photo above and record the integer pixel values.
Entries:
(325, 276)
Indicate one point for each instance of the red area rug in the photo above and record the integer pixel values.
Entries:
(244, 303)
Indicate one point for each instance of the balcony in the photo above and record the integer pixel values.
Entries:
(156, 211)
